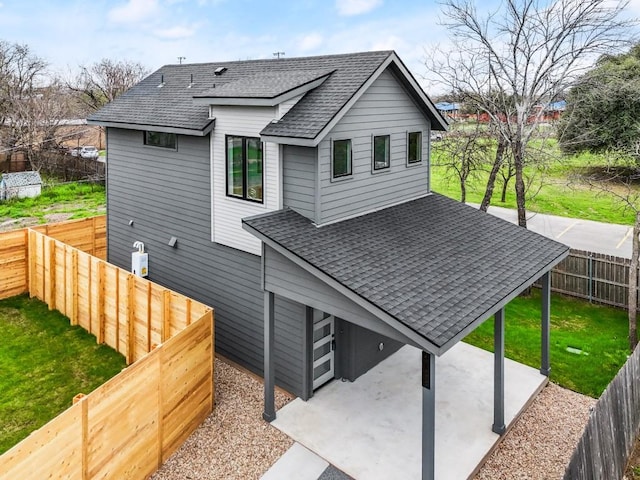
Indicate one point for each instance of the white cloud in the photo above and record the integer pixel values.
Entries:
(310, 42)
(133, 11)
(356, 7)
(177, 32)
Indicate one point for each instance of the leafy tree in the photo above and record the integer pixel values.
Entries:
(603, 107)
(520, 56)
(103, 81)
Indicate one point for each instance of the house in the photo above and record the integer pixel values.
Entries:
(293, 196)
(20, 185)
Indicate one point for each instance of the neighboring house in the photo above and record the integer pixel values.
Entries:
(293, 196)
(20, 185)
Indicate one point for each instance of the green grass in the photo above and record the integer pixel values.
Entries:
(79, 199)
(599, 331)
(44, 363)
(561, 193)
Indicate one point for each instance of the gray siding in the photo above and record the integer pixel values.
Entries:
(167, 193)
(384, 109)
(357, 346)
(299, 179)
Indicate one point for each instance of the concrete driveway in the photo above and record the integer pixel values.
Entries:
(607, 238)
(371, 428)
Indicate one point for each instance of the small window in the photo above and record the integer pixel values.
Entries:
(414, 147)
(341, 158)
(160, 139)
(381, 152)
(244, 168)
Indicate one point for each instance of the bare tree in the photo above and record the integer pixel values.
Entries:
(100, 83)
(514, 60)
(463, 153)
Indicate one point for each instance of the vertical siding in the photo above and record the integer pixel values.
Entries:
(167, 193)
(384, 109)
(228, 212)
(299, 180)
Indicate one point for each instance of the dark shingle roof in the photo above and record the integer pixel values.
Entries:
(173, 105)
(433, 264)
(265, 85)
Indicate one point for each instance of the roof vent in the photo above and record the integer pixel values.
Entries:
(190, 82)
(161, 81)
(220, 70)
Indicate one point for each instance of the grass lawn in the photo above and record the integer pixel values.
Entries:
(80, 199)
(44, 362)
(561, 192)
(599, 331)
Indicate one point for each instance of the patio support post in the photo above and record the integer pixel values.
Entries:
(269, 386)
(428, 416)
(498, 373)
(545, 367)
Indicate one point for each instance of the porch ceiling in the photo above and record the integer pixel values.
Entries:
(432, 265)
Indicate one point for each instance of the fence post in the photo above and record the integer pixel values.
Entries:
(590, 277)
(131, 305)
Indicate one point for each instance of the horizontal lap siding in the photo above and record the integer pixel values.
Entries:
(299, 180)
(384, 109)
(167, 193)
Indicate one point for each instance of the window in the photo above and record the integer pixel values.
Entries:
(244, 168)
(414, 147)
(381, 152)
(341, 158)
(160, 139)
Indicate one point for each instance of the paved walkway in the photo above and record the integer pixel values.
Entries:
(607, 238)
(300, 463)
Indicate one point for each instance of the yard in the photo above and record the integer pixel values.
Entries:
(44, 362)
(588, 342)
(559, 189)
(57, 203)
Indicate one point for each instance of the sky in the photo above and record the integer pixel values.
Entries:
(69, 33)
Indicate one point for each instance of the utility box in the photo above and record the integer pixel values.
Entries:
(139, 260)
(140, 264)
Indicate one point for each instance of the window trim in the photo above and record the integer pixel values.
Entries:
(420, 146)
(387, 167)
(147, 144)
(244, 196)
(332, 153)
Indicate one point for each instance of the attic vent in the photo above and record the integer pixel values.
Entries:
(190, 82)
(220, 70)
(161, 81)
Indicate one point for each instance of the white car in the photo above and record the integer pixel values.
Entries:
(89, 152)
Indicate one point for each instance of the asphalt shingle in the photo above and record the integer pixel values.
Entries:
(434, 264)
(172, 104)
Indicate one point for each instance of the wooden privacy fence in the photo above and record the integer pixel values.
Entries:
(608, 439)
(127, 427)
(88, 235)
(593, 276)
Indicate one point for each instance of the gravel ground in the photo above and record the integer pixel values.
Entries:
(541, 442)
(233, 442)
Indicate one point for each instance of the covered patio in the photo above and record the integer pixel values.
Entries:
(424, 273)
(371, 428)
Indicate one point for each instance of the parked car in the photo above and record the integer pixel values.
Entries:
(436, 136)
(89, 152)
(74, 151)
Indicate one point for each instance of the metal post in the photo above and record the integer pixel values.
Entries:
(545, 364)
(269, 385)
(590, 278)
(498, 373)
(428, 416)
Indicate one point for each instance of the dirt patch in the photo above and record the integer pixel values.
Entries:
(633, 469)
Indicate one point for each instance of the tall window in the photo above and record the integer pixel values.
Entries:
(160, 139)
(244, 168)
(381, 152)
(414, 147)
(341, 158)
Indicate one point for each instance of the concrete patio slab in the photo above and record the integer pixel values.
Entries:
(371, 428)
